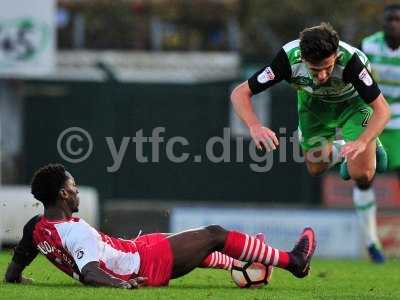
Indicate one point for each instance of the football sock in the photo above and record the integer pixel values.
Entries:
(247, 248)
(218, 260)
(364, 202)
(335, 156)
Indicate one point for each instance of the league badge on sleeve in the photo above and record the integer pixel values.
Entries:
(365, 77)
(266, 75)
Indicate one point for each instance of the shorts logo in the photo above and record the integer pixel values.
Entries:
(79, 253)
(266, 75)
(365, 77)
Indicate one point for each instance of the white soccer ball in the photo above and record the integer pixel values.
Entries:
(251, 275)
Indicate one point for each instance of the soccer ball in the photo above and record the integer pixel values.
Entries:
(251, 275)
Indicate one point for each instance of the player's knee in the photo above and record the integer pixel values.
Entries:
(316, 169)
(215, 230)
(364, 185)
(363, 177)
(216, 234)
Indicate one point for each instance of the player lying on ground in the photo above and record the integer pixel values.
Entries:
(95, 258)
(335, 90)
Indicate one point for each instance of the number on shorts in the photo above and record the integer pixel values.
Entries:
(367, 116)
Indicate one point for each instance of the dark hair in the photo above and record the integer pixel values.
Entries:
(318, 42)
(47, 182)
(393, 6)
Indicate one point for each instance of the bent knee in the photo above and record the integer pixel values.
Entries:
(316, 169)
(215, 229)
(362, 177)
(216, 234)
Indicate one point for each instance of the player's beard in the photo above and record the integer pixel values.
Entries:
(75, 207)
(74, 204)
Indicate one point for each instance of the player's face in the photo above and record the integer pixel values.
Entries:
(72, 191)
(391, 24)
(322, 71)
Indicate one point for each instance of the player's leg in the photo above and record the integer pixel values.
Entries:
(390, 139)
(362, 171)
(320, 158)
(191, 247)
(218, 260)
(362, 168)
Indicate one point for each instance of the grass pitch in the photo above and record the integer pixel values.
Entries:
(330, 279)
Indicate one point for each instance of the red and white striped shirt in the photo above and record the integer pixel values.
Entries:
(72, 243)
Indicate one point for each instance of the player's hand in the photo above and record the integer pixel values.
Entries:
(264, 137)
(26, 280)
(21, 280)
(352, 149)
(138, 282)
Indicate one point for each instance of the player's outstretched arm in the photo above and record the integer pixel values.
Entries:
(24, 254)
(241, 100)
(378, 120)
(93, 275)
(376, 124)
(279, 69)
(358, 74)
(262, 136)
(14, 274)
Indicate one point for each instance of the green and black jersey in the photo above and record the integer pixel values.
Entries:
(341, 102)
(350, 77)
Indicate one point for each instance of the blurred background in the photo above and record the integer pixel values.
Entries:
(114, 68)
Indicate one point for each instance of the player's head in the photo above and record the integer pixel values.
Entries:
(53, 185)
(318, 46)
(391, 21)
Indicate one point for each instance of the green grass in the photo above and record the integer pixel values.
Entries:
(330, 279)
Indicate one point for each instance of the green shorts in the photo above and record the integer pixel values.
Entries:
(319, 121)
(390, 139)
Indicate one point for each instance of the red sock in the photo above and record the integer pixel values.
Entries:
(218, 260)
(247, 248)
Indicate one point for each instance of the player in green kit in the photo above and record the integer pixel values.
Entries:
(383, 51)
(335, 90)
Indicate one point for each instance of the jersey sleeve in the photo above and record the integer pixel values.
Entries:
(271, 74)
(26, 251)
(360, 77)
(82, 244)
